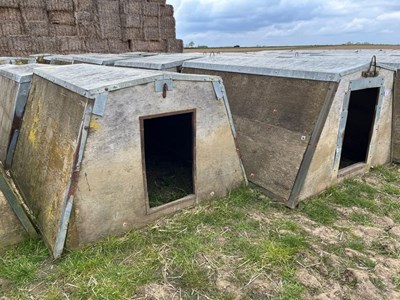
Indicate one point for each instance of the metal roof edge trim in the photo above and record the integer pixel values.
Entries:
(298, 74)
(355, 69)
(129, 83)
(62, 83)
(388, 67)
(148, 65)
(319, 76)
(15, 77)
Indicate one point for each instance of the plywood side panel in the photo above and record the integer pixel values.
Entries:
(396, 120)
(275, 118)
(8, 96)
(110, 197)
(45, 152)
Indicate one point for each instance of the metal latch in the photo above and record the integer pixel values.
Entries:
(372, 72)
(163, 85)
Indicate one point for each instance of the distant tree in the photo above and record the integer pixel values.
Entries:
(191, 44)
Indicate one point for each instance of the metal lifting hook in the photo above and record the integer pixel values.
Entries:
(370, 72)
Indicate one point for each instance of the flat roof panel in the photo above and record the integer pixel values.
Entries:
(20, 73)
(89, 80)
(324, 69)
(158, 62)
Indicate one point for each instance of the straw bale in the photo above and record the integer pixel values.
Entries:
(151, 22)
(109, 29)
(21, 45)
(9, 3)
(84, 5)
(151, 33)
(72, 44)
(167, 22)
(131, 7)
(168, 33)
(37, 28)
(96, 45)
(33, 3)
(34, 14)
(167, 10)
(4, 47)
(132, 34)
(118, 46)
(158, 1)
(131, 20)
(63, 5)
(63, 30)
(149, 46)
(108, 8)
(47, 44)
(174, 45)
(86, 24)
(151, 9)
(61, 17)
(10, 14)
(10, 28)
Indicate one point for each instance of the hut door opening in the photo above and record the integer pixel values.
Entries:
(169, 157)
(359, 126)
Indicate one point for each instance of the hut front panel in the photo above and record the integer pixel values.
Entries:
(275, 119)
(11, 230)
(322, 173)
(45, 152)
(8, 96)
(396, 120)
(111, 197)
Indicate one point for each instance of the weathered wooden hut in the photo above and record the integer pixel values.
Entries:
(103, 150)
(305, 123)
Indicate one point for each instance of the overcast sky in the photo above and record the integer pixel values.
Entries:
(287, 22)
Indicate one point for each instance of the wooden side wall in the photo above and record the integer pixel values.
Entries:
(8, 97)
(396, 120)
(45, 152)
(274, 118)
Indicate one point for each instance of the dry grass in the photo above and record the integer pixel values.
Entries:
(343, 244)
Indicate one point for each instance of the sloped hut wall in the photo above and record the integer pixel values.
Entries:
(322, 173)
(275, 120)
(45, 152)
(9, 89)
(110, 197)
(76, 26)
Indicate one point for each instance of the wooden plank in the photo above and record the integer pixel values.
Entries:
(305, 165)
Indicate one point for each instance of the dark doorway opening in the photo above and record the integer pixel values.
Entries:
(359, 126)
(169, 157)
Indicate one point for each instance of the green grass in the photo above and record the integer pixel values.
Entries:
(320, 210)
(361, 219)
(242, 239)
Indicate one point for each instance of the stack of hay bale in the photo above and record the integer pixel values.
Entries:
(76, 26)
